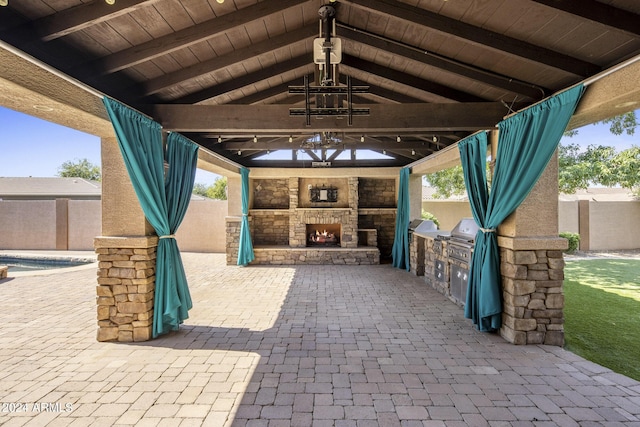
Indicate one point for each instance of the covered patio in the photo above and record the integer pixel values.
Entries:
(289, 346)
(236, 80)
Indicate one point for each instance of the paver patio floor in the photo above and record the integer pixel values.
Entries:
(297, 346)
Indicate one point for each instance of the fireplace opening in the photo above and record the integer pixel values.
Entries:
(323, 235)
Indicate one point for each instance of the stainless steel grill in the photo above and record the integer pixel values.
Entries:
(421, 226)
(460, 249)
(462, 240)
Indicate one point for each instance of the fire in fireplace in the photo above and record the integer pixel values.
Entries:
(323, 234)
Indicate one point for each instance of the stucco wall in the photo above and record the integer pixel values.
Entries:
(84, 222)
(448, 213)
(568, 217)
(612, 225)
(203, 227)
(30, 224)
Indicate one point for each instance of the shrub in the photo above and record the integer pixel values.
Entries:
(430, 216)
(574, 241)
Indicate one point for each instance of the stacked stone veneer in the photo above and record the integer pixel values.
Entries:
(533, 297)
(383, 220)
(125, 291)
(270, 227)
(328, 256)
(270, 193)
(532, 281)
(279, 223)
(377, 193)
(346, 217)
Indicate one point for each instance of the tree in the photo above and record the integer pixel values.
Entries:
(447, 182)
(598, 165)
(217, 190)
(623, 123)
(80, 169)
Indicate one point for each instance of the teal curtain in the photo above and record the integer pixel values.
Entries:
(245, 249)
(163, 203)
(526, 143)
(400, 251)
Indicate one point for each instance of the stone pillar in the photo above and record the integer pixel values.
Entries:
(415, 196)
(296, 228)
(234, 217)
(532, 266)
(126, 255)
(126, 284)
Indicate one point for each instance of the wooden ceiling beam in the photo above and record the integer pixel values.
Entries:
(408, 79)
(359, 163)
(74, 19)
(384, 118)
(598, 12)
(235, 57)
(268, 93)
(428, 58)
(246, 80)
(180, 39)
(479, 36)
(386, 93)
(369, 144)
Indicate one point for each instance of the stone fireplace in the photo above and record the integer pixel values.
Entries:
(292, 223)
(323, 235)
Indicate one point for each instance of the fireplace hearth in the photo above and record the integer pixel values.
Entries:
(323, 235)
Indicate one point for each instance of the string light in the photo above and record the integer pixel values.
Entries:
(4, 2)
(362, 138)
(239, 153)
(435, 139)
(219, 139)
(398, 139)
(290, 139)
(384, 152)
(110, 2)
(255, 139)
(413, 152)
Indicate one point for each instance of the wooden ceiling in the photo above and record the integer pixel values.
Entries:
(436, 70)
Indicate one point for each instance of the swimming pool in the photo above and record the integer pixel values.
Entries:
(16, 264)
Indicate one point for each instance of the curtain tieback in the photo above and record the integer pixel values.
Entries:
(488, 230)
(168, 236)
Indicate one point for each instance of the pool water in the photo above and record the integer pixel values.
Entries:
(23, 264)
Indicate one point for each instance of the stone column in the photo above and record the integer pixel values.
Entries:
(234, 217)
(532, 266)
(126, 255)
(415, 196)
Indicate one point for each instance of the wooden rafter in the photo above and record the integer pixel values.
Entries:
(186, 37)
(438, 61)
(246, 80)
(598, 12)
(408, 79)
(235, 57)
(479, 35)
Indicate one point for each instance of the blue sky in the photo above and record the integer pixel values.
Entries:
(33, 147)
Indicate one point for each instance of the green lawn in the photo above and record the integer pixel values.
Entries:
(602, 313)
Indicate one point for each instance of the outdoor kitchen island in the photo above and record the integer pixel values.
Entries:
(318, 220)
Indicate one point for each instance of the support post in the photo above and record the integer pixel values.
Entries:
(126, 256)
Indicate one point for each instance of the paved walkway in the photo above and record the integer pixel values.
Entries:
(281, 346)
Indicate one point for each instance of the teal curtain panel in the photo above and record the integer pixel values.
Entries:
(164, 203)
(526, 143)
(245, 249)
(400, 251)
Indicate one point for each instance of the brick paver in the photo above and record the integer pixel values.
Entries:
(266, 346)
